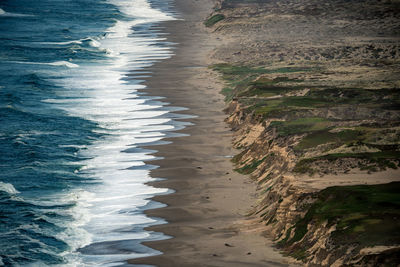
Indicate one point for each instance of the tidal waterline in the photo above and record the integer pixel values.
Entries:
(73, 173)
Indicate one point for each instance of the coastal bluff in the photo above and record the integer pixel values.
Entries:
(312, 92)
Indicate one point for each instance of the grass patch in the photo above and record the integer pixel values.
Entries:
(213, 20)
(242, 80)
(281, 105)
(322, 137)
(265, 81)
(266, 90)
(385, 97)
(263, 88)
(305, 101)
(285, 240)
(366, 215)
(264, 191)
(299, 254)
(303, 167)
(247, 169)
(381, 160)
(228, 93)
(228, 70)
(266, 106)
(238, 78)
(236, 159)
(266, 87)
(301, 125)
(374, 156)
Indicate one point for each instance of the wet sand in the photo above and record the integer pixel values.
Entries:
(207, 214)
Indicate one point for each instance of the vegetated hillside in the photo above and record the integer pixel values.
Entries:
(313, 95)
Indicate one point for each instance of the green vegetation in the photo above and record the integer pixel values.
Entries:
(236, 159)
(214, 19)
(365, 215)
(303, 166)
(329, 108)
(264, 108)
(243, 69)
(301, 125)
(299, 254)
(387, 157)
(283, 94)
(374, 156)
(242, 82)
(237, 77)
(227, 70)
(285, 240)
(322, 137)
(357, 96)
(264, 191)
(374, 161)
(247, 169)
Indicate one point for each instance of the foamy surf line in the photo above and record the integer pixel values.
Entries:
(76, 130)
(56, 63)
(109, 219)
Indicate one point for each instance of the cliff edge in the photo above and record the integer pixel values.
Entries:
(312, 91)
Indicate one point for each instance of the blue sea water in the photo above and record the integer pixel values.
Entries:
(72, 170)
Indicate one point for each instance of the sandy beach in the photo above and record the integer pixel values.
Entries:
(207, 214)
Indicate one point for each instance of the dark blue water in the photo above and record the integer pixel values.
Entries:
(70, 193)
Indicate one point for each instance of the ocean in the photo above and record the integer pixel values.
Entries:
(76, 126)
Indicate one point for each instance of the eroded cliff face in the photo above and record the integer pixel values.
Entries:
(313, 98)
(286, 202)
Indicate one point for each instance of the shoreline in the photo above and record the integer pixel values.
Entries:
(207, 213)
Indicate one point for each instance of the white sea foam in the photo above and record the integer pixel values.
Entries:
(57, 63)
(95, 43)
(63, 43)
(120, 29)
(140, 9)
(108, 210)
(92, 41)
(64, 63)
(9, 188)
(8, 14)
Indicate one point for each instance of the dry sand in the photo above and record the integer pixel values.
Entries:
(355, 177)
(207, 214)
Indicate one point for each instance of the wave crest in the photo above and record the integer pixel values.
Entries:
(64, 63)
(8, 14)
(8, 188)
